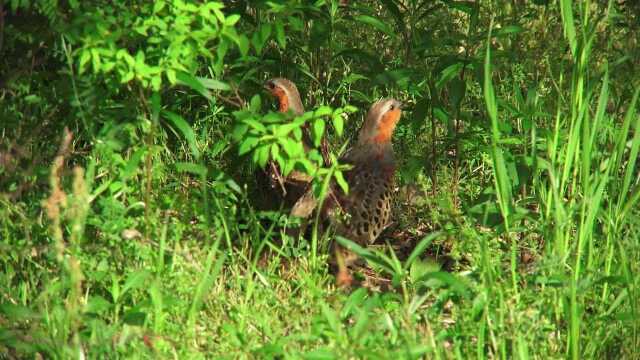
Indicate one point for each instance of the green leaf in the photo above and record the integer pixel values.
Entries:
(17, 312)
(127, 77)
(369, 255)
(320, 354)
(136, 280)
(132, 164)
(98, 305)
(84, 59)
(318, 131)
(566, 12)
(338, 123)
(231, 20)
(395, 11)
(239, 130)
(213, 84)
(322, 111)
(192, 82)
(448, 279)
(280, 35)
(289, 146)
(185, 129)
(156, 83)
(262, 154)
(248, 144)
(508, 30)
(255, 104)
(275, 151)
(448, 73)
(284, 130)
(172, 76)
(191, 168)
(255, 125)
(243, 45)
(155, 106)
(379, 25)
(158, 6)
(419, 249)
(341, 181)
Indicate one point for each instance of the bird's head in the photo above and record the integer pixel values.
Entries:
(287, 94)
(380, 122)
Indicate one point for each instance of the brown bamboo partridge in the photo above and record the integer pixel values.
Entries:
(371, 182)
(296, 186)
(288, 98)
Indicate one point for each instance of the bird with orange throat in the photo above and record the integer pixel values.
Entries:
(367, 205)
(295, 184)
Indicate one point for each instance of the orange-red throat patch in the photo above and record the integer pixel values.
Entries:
(387, 125)
(283, 99)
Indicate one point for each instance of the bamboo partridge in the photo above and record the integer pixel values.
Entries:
(371, 181)
(296, 186)
(286, 92)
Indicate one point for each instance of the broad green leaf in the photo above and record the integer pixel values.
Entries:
(17, 312)
(136, 280)
(255, 104)
(566, 11)
(231, 20)
(289, 146)
(243, 45)
(376, 23)
(420, 248)
(262, 154)
(447, 279)
(196, 169)
(185, 129)
(448, 73)
(158, 6)
(213, 84)
(318, 131)
(338, 123)
(280, 35)
(98, 305)
(133, 163)
(284, 130)
(156, 106)
(247, 144)
(239, 130)
(322, 111)
(84, 59)
(192, 82)
(341, 181)
(255, 125)
(508, 30)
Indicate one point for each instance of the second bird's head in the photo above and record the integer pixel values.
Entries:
(286, 93)
(380, 122)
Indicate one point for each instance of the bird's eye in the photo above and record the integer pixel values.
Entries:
(392, 107)
(271, 85)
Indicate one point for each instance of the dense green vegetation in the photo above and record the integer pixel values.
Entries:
(134, 222)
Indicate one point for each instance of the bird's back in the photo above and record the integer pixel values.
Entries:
(368, 203)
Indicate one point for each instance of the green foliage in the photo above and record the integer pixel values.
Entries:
(169, 37)
(134, 222)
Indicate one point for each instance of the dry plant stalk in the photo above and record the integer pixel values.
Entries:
(72, 209)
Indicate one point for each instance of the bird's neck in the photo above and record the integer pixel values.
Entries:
(290, 101)
(295, 105)
(376, 152)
